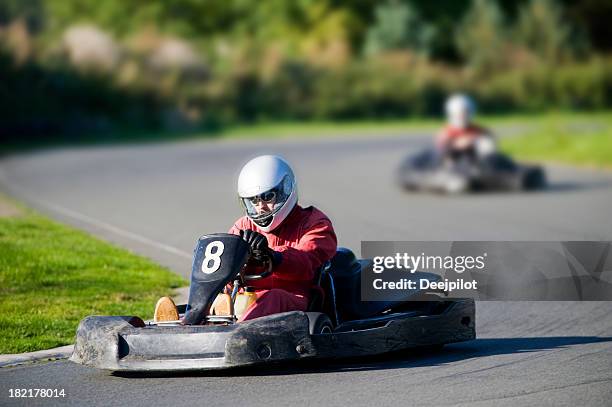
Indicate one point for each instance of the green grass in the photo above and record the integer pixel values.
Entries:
(574, 139)
(328, 128)
(51, 276)
(400, 126)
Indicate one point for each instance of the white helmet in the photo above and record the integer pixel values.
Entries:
(268, 178)
(459, 110)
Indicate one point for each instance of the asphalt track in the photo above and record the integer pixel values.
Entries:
(156, 199)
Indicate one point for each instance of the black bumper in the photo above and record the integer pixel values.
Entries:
(125, 344)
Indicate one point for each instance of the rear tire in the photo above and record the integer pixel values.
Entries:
(319, 323)
(534, 178)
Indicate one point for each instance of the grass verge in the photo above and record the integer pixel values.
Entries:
(51, 276)
(520, 122)
(574, 139)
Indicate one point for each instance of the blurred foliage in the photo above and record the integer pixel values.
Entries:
(541, 29)
(481, 36)
(74, 67)
(398, 26)
(45, 102)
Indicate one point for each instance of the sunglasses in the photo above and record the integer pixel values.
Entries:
(266, 197)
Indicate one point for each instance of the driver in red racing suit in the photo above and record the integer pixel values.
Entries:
(295, 240)
(290, 241)
(461, 137)
(298, 247)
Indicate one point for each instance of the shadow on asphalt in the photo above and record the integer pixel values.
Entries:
(421, 357)
(551, 187)
(576, 186)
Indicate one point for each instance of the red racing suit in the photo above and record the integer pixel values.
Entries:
(305, 240)
(447, 137)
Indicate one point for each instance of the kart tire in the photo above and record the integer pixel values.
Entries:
(534, 178)
(319, 323)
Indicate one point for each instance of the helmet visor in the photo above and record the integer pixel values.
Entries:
(265, 205)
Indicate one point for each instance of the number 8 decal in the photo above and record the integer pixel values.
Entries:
(215, 257)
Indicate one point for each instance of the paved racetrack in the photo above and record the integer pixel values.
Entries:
(156, 199)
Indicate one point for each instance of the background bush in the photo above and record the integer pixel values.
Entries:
(74, 68)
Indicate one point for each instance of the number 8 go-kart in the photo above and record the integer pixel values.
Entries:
(337, 324)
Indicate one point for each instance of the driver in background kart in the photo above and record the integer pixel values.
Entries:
(461, 137)
(291, 240)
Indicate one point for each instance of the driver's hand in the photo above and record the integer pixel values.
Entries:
(463, 143)
(256, 240)
(258, 244)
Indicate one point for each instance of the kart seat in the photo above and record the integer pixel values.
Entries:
(322, 294)
(345, 270)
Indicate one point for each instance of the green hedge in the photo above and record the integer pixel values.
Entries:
(49, 103)
(363, 90)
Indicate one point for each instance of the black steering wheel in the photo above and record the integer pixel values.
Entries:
(255, 277)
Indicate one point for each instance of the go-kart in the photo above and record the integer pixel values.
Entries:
(337, 323)
(432, 171)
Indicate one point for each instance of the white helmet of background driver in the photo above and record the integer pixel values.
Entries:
(460, 109)
(271, 175)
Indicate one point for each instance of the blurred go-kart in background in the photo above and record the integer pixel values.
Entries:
(465, 158)
(427, 171)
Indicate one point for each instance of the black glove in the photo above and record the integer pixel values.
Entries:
(256, 240)
(259, 246)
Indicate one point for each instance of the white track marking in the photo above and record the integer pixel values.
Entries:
(92, 221)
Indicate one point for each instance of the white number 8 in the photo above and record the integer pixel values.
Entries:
(214, 257)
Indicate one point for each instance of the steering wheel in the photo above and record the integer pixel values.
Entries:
(255, 277)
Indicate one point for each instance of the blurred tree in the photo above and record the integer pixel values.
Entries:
(188, 18)
(217, 62)
(542, 29)
(201, 19)
(31, 11)
(481, 36)
(397, 26)
(594, 17)
(327, 41)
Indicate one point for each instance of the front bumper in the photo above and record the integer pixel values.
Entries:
(126, 344)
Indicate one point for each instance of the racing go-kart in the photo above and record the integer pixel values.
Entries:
(337, 324)
(431, 171)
